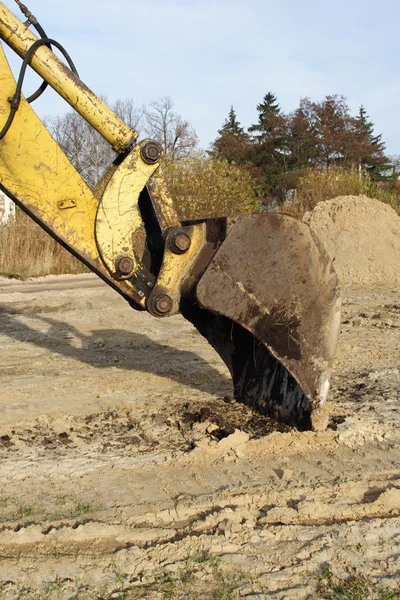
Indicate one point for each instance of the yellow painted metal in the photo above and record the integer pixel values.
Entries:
(119, 227)
(39, 177)
(99, 227)
(163, 204)
(176, 267)
(65, 82)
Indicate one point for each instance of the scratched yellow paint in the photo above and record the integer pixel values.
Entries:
(164, 206)
(175, 267)
(98, 226)
(35, 170)
(119, 226)
(37, 173)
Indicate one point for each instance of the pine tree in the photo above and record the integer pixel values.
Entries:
(268, 110)
(369, 147)
(231, 125)
(267, 151)
(232, 141)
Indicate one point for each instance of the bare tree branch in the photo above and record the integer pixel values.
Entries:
(176, 135)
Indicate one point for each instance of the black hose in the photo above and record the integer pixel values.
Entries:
(44, 83)
(16, 99)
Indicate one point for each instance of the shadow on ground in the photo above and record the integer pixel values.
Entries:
(115, 347)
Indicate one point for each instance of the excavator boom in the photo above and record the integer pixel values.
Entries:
(259, 287)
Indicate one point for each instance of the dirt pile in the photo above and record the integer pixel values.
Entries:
(362, 236)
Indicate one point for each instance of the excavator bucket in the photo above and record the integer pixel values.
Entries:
(269, 304)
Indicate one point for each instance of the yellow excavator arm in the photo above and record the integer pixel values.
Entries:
(259, 287)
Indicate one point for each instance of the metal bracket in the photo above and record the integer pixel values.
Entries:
(68, 203)
(120, 231)
(166, 294)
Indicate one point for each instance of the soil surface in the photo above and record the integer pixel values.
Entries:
(127, 471)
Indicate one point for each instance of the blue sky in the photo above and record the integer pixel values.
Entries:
(210, 55)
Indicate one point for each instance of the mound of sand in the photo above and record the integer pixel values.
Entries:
(362, 236)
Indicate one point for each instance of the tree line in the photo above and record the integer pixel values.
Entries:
(280, 157)
(200, 185)
(279, 147)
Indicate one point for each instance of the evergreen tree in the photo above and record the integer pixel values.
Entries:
(232, 141)
(231, 125)
(268, 110)
(267, 152)
(370, 150)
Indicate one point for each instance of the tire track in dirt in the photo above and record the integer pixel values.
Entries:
(128, 478)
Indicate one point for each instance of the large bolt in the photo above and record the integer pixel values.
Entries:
(124, 265)
(180, 242)
(162, 304)
(151, 152)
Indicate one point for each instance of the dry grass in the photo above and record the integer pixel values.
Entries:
(28, 251)
(315, 186)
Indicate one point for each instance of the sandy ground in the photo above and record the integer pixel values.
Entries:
(128, 472)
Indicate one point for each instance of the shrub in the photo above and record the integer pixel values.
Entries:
(315, 186)
(203, 187)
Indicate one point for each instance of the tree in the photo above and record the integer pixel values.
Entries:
(267, 150)
(175, 134)
(204, 187)
(232, 141)
(91, 155)
(130, 114)
(332, 124)
(324, 135)
(302, 140)
(370, 148)
(87, 150)
(268, 118)
(393, 168)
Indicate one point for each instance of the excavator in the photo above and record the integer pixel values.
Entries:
(259, 287)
